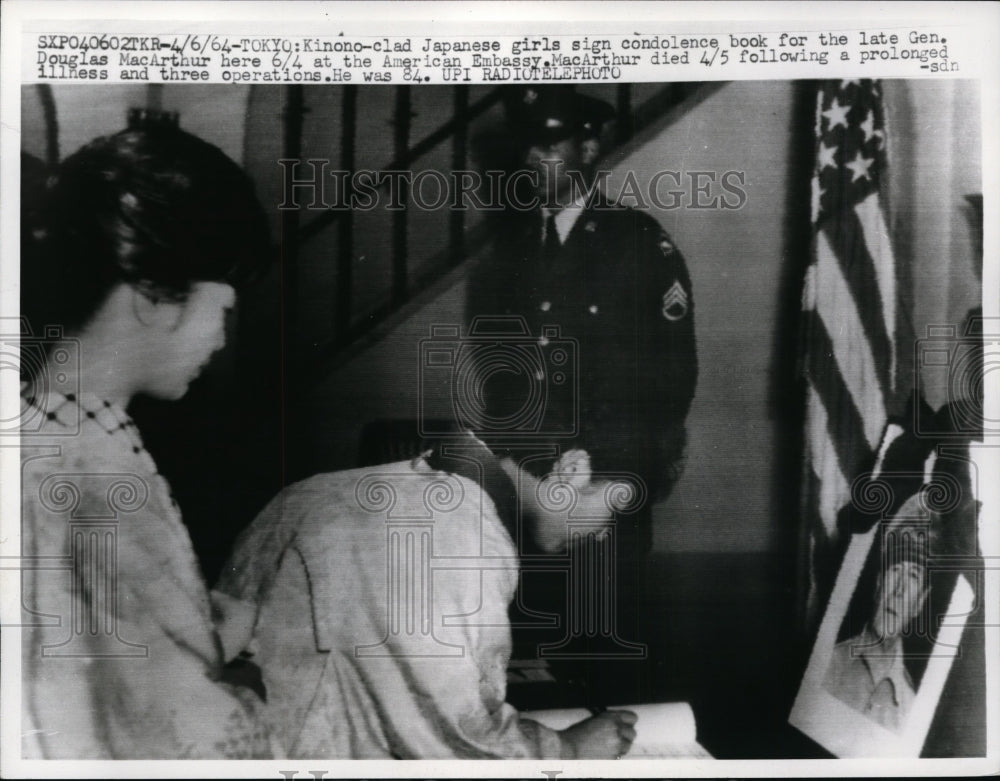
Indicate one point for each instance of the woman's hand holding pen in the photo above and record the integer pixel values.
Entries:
(607, 735)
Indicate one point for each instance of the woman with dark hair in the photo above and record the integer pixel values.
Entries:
(129, 265)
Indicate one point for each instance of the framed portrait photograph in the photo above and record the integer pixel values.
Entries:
(888, 640)
(532, 389)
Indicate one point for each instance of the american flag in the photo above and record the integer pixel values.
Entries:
(850, 306)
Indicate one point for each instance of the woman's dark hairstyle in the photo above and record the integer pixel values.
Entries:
(151, 206)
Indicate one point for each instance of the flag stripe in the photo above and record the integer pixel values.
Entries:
(846, 237)
(842, 421)
(852, 353)
(830, 484)
(876, 235)
(892, 433)
(850, 310)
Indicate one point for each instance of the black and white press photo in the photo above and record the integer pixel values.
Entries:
(598, 400)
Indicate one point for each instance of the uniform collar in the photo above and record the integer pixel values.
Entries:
(880, 668)
(567, 217)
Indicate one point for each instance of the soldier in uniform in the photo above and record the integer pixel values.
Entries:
(615, 286)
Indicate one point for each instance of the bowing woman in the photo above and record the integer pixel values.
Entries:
(378, 604)
(134, 254)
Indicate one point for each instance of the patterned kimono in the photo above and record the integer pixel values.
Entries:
(121, 659)
(382, 626)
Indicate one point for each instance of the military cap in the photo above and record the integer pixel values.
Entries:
(910, 535)
(547, 113)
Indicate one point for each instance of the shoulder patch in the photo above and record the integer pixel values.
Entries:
(675, 302)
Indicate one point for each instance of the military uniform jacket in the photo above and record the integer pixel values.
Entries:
(618, 296)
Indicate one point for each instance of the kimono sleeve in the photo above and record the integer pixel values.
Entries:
(119, 661)
(447, 699)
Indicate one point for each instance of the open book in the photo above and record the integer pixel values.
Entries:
(664, 730)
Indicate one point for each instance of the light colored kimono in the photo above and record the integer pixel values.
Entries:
(382, 627)
(121, 659)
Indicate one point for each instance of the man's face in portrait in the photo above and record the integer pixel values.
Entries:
(899, 598)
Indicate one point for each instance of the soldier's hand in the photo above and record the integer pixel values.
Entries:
(608, 735)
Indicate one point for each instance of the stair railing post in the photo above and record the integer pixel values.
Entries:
(459, 158)
(345, 237)
(401, 144)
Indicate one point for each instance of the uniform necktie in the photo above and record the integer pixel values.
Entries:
(551, 246)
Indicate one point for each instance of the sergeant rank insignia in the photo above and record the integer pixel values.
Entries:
(675, 302)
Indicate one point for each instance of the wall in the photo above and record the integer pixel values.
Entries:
(735, 258)
(937, 125)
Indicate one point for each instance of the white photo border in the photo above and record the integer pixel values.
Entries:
(19, 15)
(835, 725)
